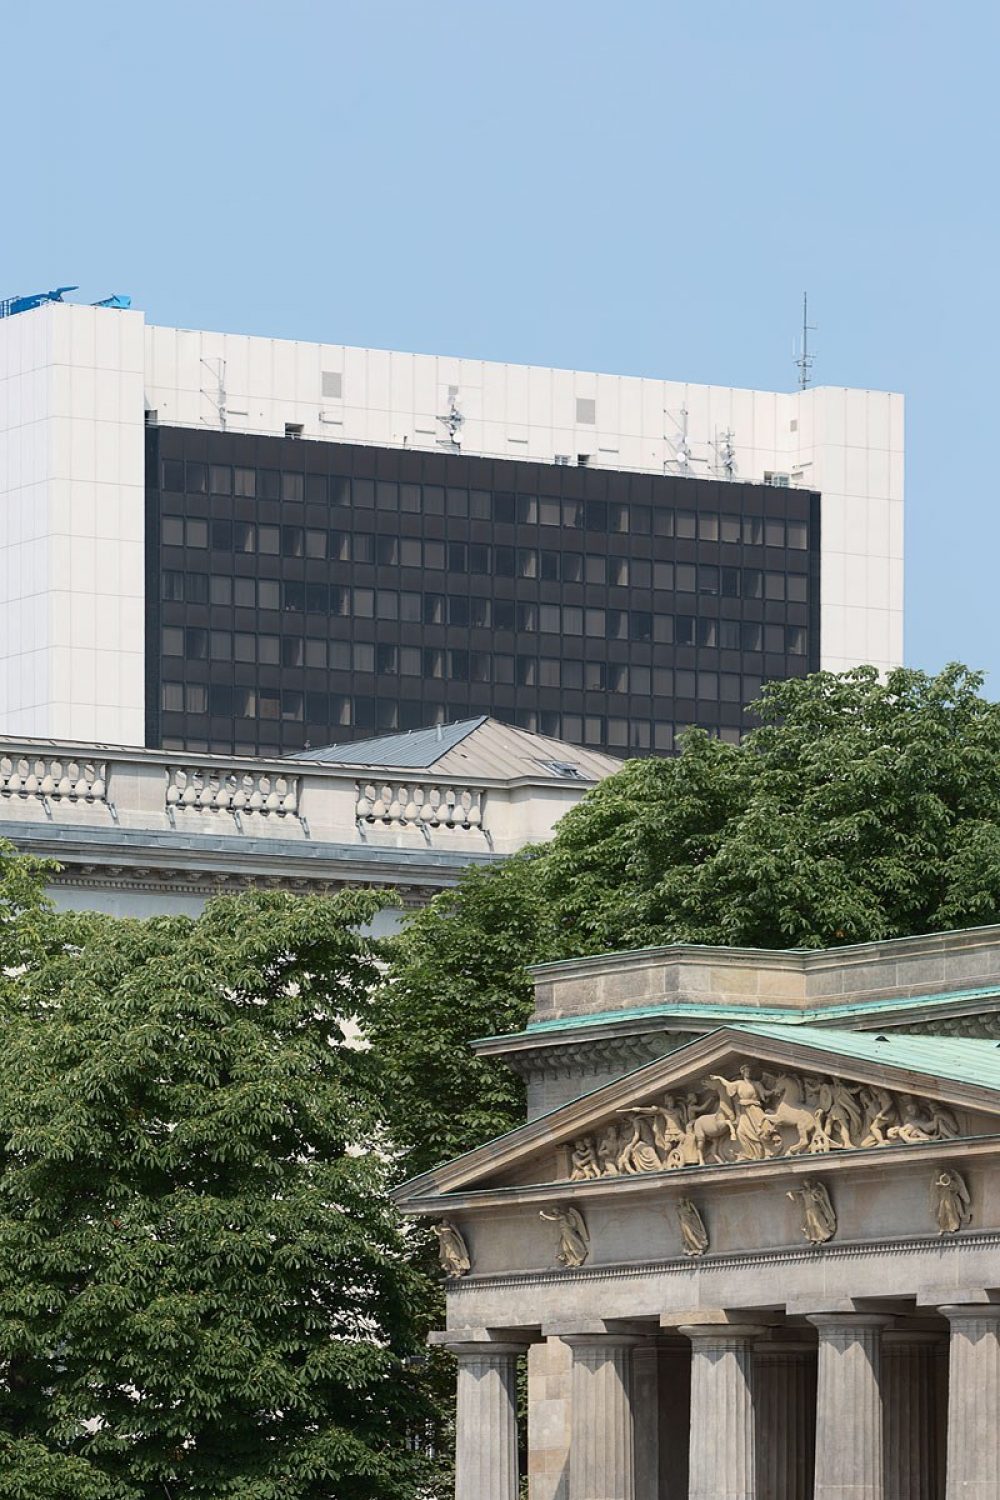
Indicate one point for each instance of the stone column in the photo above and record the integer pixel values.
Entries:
(786, 1420)
(973, 1468)
(721, 1456)
(602, 1441)
(646, 1419)
(849, 1444)
(486, 1421)
(910, 1387)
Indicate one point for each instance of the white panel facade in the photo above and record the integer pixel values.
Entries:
(71, 523)
(74, 382)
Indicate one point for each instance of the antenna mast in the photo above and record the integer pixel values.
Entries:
(805, 359)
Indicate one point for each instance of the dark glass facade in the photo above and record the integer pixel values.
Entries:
(302, 593)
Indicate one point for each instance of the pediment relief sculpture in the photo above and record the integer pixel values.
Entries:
(756, 1116)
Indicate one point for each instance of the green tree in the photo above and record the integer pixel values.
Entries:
(859, 808)
(202, 1289)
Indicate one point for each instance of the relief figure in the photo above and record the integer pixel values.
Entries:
(819, 1222)
(951, 1203)
(692, 1226)
(453, 1253)
(574, 1240)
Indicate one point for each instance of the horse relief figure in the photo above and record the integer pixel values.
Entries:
(792, 1110)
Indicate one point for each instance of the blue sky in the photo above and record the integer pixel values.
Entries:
(641, 187)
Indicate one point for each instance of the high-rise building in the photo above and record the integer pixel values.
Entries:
(235, 544)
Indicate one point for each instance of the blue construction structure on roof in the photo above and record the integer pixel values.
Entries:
(11, 305)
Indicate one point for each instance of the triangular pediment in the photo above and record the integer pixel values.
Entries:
(741, 1097)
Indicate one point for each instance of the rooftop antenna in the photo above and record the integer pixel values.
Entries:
(217, 368)
(805, 359)
(725, 453)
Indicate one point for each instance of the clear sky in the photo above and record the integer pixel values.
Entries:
(639, 186)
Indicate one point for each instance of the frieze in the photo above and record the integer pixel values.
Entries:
(755, 1117)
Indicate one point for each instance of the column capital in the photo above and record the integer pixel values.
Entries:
(972, 1311)
(476, 1350)
(724, 1333)
(823, 1320)
(602, 1340)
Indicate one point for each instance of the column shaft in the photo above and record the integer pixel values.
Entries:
(849, 1442)
(602, 1448)
(721, 1456)
(973, 1467)
(786, 1422)
(910, 1387)
(486, 1423)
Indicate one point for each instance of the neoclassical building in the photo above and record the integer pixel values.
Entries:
(748, 1239)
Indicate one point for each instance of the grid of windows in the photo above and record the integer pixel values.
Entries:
(310, 592)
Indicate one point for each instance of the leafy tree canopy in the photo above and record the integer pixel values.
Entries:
(202, 1290)
(858, 809)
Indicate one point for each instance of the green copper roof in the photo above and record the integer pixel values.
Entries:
(739, 1015)
(957, 1058)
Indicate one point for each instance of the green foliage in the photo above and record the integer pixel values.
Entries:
(859, 809)
(202, 1290)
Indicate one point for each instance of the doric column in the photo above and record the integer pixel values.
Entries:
(973, 1468)
(910, 1389)
(849, 1444)
(646, 1419)
(602, 1444)
(785, 1420)
(486, 1421)
(721, 1455)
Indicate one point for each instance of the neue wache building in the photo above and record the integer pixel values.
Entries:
(747, 1240)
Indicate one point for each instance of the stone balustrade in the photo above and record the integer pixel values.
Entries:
(48, 776)
(216, 790)
(430, 805)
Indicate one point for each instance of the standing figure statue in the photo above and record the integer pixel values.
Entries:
(740, 1100)
(692, 1225)
(453, 1253)
(819, 1222)
(951, 1203)
(574, 1240)
(843, 1118)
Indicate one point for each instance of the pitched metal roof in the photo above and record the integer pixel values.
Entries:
(961, 1059)
(415, 750)
(472, 748)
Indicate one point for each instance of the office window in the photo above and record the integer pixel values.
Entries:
(480, 560)
(774, 585)
(434, 609)
(729, 528)
(687, 523)
(572, 567)
(596, 569)
(195, 698)
(684, 628)
(685, 577)
(364, 604)
(549, 618)
(172, 531)
(269, 540)
(292, 706)
(268, 649)
(480, 664)
(387, 551)
(456, 501)
(663, 521)
(363, 656)
(196, 644)
(708, 527)
(173, 642)
(796, 535)
(244, 536)
(753, 531)
(617, 678)
(663, 575)
(797, 585)
(292, 651)
(172, 585)
(617, 624)
(316, 655)
(386, 604)
(548, 672)
(245, 483)
(527, 509)
(526, 616)
(527, 671)
(172, 697)
(595, 622)
(293, 541)
(458, 557)
(618, 571)
(196, 479)
(458, 609)
(480, 612)
(386, 495)
(774, 533)
(316, 543)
